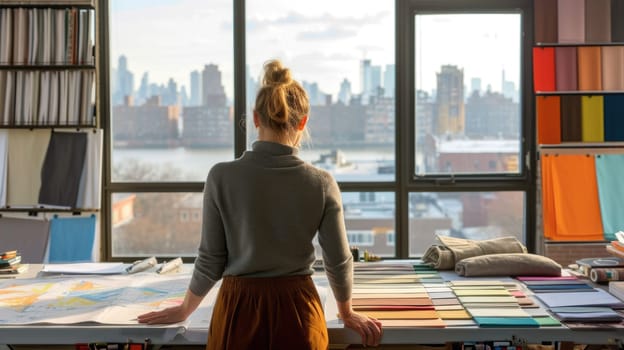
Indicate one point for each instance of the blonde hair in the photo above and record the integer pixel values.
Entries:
(281, 102)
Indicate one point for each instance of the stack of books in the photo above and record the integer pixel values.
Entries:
(585, 265)
(617, 289)
(11, 263)
(617, 247)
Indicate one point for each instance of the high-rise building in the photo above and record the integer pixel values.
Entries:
(475, 85)
(370, 79)
(143, 92)
(508, 88)
(170, 94)
(125, 81)
(492, 116)
(344, 95)
(213, 93)
(148, 125)
(389, 79)
(450, 100)
(196, 91)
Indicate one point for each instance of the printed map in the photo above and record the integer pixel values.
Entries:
(88, 299)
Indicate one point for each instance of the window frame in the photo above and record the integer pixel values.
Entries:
(406, 11)
(405, 181)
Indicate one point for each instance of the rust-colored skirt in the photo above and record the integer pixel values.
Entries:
(268, 313)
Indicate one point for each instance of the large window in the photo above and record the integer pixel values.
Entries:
(343, 54)
(171, 119)
(171, 90)
(470, 155)
(419, 109)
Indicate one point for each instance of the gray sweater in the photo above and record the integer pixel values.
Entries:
(260, 215)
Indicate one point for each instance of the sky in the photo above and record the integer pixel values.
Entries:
(322, 41)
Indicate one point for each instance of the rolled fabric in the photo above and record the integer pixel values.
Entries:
(439, 257)
(452, 250)
(510, 264)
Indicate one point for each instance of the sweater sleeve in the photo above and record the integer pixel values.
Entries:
(212, 252)
(332, 236)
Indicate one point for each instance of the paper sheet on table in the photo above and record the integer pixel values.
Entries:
(85, 269)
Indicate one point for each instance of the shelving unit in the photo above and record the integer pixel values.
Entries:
(578, 75)
(47, 64)
(48, 82)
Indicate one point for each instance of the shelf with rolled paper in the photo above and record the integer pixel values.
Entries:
(36, 209)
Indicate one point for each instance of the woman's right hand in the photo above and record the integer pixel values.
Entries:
(172, 314)
(369, 328)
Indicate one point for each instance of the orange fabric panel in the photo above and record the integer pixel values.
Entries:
(548, 109)
(589, 68)
(575, 203)
(548, 200)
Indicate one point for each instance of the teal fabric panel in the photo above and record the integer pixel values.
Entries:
(498, 322)
(609, 170)
(71, 239)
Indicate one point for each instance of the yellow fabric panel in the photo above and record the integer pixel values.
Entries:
(592, 118)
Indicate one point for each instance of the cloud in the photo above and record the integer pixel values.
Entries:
(295, 18)
(329, 32)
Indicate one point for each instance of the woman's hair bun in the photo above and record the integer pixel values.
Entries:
(276, 74)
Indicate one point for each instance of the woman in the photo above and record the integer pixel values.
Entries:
(260, 215)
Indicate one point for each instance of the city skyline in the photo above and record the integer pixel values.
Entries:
(374, 76)
(326, 47)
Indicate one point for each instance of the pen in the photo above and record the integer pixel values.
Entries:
(142, 265)
(169, 266)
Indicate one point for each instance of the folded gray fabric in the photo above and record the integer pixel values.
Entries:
(439, 257)
(452, 250)
(516, 264)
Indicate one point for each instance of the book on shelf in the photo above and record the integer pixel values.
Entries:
(617, 289)
(586, 264)
(13, 270)
(8, 254)
(9, 262)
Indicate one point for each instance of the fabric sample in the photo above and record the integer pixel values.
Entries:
(71, 239)
(598, 21)
(543, 69)
(571, 21)
(570, 198)
(402, 315)
(598, 298)
(428, 323)
(546, 321)
(571, 122)
(592, 119)
(508, 265)
(617, 25)
(589, 68)
(27, 150)
(456, 249)
(4, 157)
(548, 109)
(613, 120)
(501, 322)
(90, 180)
(566, 68)
(453, 314)
(28, 236)
(612, 68)
(609, 170)
(545, 17)
(498, 312)
(390, 300)
(62, 169)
